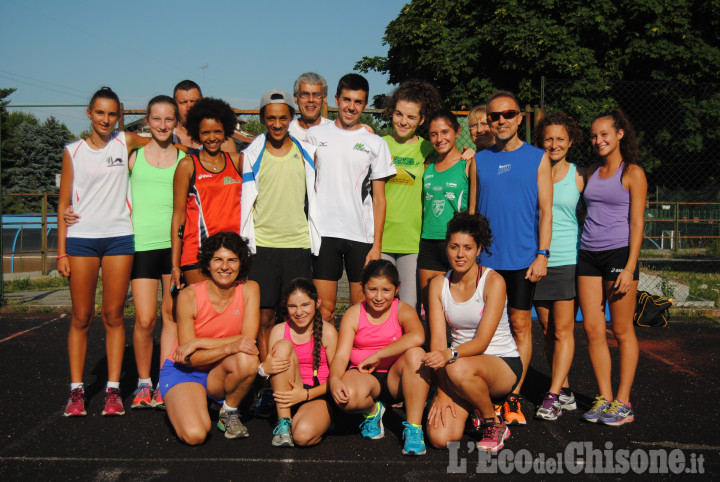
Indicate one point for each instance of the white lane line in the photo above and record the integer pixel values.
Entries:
(210, 460)
(33, 328)
(678, 445)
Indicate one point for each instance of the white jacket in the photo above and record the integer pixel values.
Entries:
(251, 170)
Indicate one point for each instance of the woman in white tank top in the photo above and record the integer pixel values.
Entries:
(482, 362)
(95, 179)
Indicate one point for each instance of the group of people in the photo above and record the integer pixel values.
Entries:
(257, 241)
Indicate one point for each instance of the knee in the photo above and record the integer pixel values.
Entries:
(413, 357)
(244, 364)
(282, 348)
(459, 372)
(113, 318)
(145, 324)
(81, 321)
(303, 434)
(439, 440)
(328, 313)
(194, 435)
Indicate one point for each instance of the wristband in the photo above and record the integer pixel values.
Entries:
(173, 269)
(60, 257)
(261, 372)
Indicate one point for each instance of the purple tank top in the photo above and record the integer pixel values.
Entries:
(607, 225)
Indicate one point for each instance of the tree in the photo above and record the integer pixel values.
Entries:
(470, 48)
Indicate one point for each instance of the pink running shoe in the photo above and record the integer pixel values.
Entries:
(76, 404)
(494, 435)
(113, 402)
(157, 401)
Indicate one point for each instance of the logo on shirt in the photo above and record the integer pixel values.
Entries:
(438, 206)
(322, 144)
(450, 196)
(236, 313)
(114, 162)
(503, 169)
(450, 184)
(361, 147)
(403, 161)
(204, 176)
(229, 180)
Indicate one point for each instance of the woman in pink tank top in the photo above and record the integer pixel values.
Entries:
(216, 356)
(607, 267)
(379, 355)
(302, 347)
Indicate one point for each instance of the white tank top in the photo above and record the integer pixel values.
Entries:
(100, 192)
(464, 319)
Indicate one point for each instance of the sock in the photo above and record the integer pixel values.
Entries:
(112, 385)
(374, 411)
(145, 381)
(565, 391)
(414, 425)
(73, 386)
(228, 408)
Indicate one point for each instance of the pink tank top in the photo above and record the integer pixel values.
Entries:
(370, 338)
(211, 324)
(304, 353)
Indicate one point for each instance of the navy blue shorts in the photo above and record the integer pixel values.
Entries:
(172, 374)
(99, 247)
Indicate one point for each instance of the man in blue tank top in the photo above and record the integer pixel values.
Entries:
(515, 194)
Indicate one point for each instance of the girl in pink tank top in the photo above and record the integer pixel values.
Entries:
(302, 346)
(379, 356)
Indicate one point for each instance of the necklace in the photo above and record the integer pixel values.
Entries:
(91, 140)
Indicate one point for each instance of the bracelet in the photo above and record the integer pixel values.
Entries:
(173, 269)
(261, 371)
(307, 390)
(60, 257)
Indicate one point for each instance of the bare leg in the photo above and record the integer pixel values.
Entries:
(169, 327)
(521, 325)
(408, 379)
(426, 276)
(186, 405)
(267, 321)
(364, 390)
(356, 293)
(621, 313)
(327, 292)
(281, 381)
(557, 320)
(592, 301)
(232, 378)
(83, 283)
(145, 299)
(311, 421)
(116, 280)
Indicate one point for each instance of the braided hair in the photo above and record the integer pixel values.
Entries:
(306, 286)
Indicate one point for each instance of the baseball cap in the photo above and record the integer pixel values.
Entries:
(277, 96)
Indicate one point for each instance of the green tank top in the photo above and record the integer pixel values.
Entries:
(151, 192)
(444, 194)
(403, 192)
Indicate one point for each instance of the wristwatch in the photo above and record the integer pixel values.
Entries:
(544, 252)
(454, 355)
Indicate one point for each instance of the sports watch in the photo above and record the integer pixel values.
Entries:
(544, 252)
(454, 355)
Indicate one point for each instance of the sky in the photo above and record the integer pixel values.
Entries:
(61, 52)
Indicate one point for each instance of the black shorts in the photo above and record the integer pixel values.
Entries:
(520, 291)
(152, 264)
(385, 397)
(334, 252)
(432, 255)
(607, 264)
(558, 284)
(273, 268)
(515, 364)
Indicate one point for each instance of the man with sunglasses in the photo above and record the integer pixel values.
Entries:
(515, 194)
(310, 93)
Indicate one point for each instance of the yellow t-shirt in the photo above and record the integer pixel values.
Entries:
(279, 211)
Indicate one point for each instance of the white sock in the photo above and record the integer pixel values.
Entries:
(228, 408)
(145, 381)
(112, 385)
(73, 386)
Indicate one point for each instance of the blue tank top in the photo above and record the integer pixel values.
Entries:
(565, 230)
(508, 198)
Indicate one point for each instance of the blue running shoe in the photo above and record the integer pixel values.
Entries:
(265, 405)
(282, 434)
(372, 426)
(414, 440)
(617, 414)
(600, 405)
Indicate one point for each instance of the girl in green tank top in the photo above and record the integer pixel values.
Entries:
(152, 169)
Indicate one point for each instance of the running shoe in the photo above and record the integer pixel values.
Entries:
(76, 403)
(476, 418)
(513, 411)
(414, 440)
(113, 402)
(493, 436)
(372, 426)
(551, 408)
(282, 435)
(567, 399)
(157, 401)
(265, 405)
(600, 405)
(617, 413)
(142, 398)
(229, 422)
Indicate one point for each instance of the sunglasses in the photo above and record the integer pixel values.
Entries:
(506, 114)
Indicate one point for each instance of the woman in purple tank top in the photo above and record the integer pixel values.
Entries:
(607, 266)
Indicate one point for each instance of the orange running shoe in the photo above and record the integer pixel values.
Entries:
(513, 410)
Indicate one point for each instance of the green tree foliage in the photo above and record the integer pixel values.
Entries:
(32, 158)
(470, 48)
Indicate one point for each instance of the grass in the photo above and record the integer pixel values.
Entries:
(35, 284)
(702, 285)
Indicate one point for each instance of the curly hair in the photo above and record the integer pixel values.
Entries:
(557, 118)
(209, 108)
(230, 241)
(104, 93)
(380, 268)
(444, 114)
(417, 91)
(476, 225)
(306, 286)
(629, 147)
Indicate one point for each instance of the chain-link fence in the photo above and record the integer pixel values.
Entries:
(676, 125)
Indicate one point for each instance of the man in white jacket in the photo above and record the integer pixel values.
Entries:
(278, 209)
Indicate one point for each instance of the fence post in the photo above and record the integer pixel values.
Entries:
(43, 246)
(528, 129)
(676, 233)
